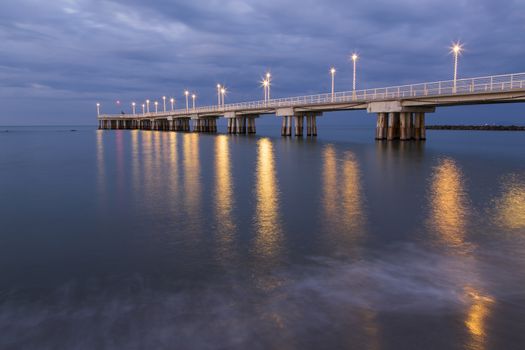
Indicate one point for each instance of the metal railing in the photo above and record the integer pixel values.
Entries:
(469, 86)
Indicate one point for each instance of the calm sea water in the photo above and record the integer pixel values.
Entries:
(156, 240)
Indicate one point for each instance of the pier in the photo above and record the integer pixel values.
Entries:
(400, 110)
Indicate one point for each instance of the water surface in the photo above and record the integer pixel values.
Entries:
(152, 240)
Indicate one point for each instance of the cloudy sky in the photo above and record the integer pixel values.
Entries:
(59, 57)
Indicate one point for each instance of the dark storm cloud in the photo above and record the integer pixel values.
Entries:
(80, 51)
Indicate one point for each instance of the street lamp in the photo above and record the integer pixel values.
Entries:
(133, 104)
(172, 100)
(355, 57)
(269, 80)
(265, 86)
(456, 51)
(219, 95)
(332, 72)
(186, 93)
(156, 107)
(164, 101)
(223, 92)
(98, 109)
(147, 106)
(193, 97)
(143, 109)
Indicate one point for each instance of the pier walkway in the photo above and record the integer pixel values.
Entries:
(400, 110)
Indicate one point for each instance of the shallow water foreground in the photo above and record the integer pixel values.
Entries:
(153, 240)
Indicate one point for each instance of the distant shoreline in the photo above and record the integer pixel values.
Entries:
(477, 127)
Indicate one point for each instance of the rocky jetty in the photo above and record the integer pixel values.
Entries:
(477, 127)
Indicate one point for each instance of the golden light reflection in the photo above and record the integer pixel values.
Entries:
(157, 158)
(510, 207)
(173, 162)
(267, 210)
(146, 185)
(135, 160)
(330, 182)
(476, 319)
(342, 198)
(353, 216)
(101, 167)
(223, 193)
(192, 175)
(449, 207)
(449, 203)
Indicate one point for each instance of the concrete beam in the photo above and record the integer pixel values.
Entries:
(284, 112)
(397, 107)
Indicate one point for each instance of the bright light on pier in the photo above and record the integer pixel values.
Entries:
(332, 72)
(354, 58)
(223, 93)
(456, 49)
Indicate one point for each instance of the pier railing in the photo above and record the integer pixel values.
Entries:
(480, 85)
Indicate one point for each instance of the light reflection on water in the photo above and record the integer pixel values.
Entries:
(450, 209)
(510, 206)
(267, 215)
(342, 197)
(205, 245)
(224, 200)
(449, 203)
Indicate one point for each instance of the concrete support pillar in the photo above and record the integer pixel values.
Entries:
(419, 126)
(406, 120)
(299, 125)
(251, 125)
(308, 125)
(390, 134)
(314, 125)
(283, 127)
(381, 126)
(410, 131)
(241, 125)
(403, 126)
(393, 131)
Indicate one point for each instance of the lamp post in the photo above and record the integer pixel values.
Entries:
(264, 84)
(269, 84)
(172, 100)
(187, 93)
(332, 72)
(98, 109)
(354, 60)
(223, 92)
(219, 95)
(147, 106)
(143, 109)
(133, 104)
(156, 107)
(193, 97)
(456, 50)
(164, 102)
